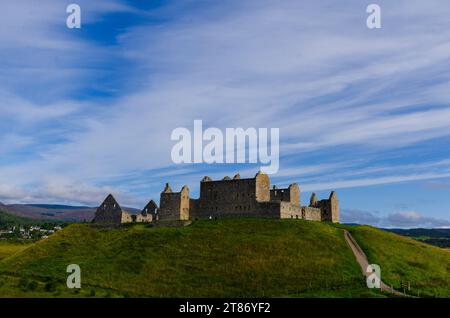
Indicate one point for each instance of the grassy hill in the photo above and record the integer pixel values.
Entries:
(8, 248)
(8, 219)
(437, 237)
(51, 212)
(223, 258)
(422, 233)
(426, 268)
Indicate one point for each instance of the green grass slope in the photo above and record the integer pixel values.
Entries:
(426, 268)
(8, 248)
(223, 258)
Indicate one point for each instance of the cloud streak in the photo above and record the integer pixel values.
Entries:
(355, 107)
(402, 219)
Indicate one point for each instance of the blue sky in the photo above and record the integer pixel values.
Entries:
(363, 112)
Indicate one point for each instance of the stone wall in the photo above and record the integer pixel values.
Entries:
(270, 209)
(311, 214)
(290, 194)
(139, 218)
(280, 194)
(294, 211)
(329, 207)
(289, 210)
(126, 217)
(225, 197)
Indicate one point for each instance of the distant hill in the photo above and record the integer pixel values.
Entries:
(437, 237)
(8, 219)
(235, 257)
(436, 233)
(58, 206)
(64, 213)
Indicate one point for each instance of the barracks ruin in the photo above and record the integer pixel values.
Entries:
(226, 198)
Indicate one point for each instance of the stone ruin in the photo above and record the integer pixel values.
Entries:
(228, 197)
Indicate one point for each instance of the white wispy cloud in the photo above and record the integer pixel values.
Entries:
(401, 219)
(310, 68)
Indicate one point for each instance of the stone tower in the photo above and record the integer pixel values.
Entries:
(329, 208)
(334, 207)
(174, 205)
(184, 203)
(262, 187)
(313, 200)
(294, 193)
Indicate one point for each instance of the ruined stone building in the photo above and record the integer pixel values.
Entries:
(110, 212)
(226, 198)
(245, 197)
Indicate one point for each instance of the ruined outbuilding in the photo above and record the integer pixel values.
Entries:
(110, 212)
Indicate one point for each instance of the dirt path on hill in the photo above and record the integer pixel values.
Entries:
(363, 262)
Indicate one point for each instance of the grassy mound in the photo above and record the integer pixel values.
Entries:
(405, 262)
(223, 258)
(10, 248)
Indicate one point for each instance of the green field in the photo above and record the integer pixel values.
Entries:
(223, 258)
